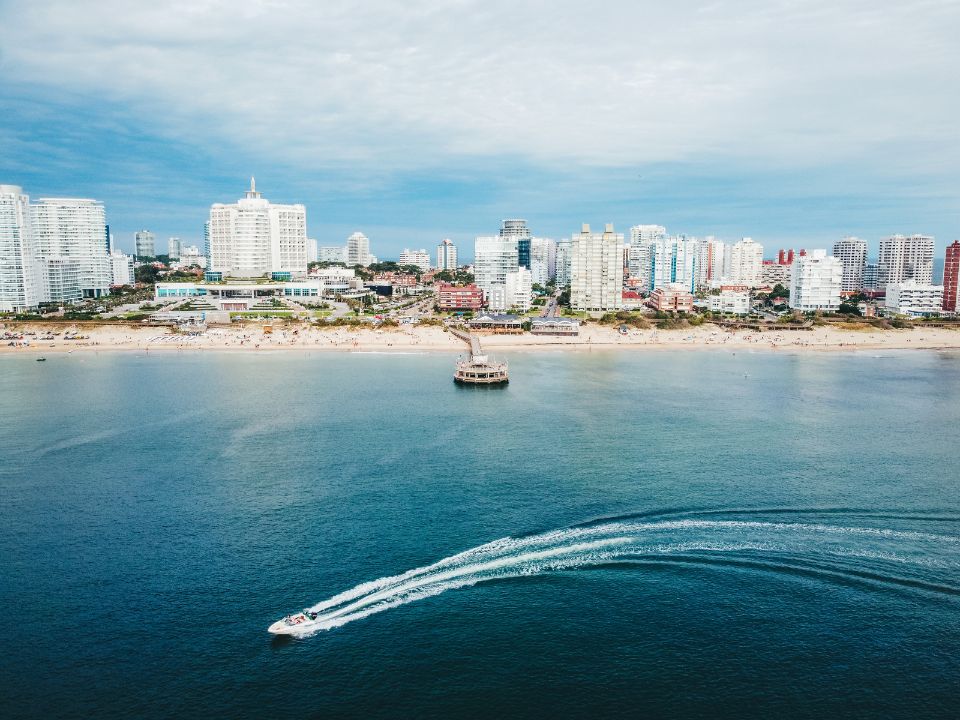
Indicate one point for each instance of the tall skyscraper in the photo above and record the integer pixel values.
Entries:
(518, 229)
(746, 261)
(543, 260)
(852, 252)
(447, 255)
(21, 284)
(206, 240)
(174, 248)
(639, 263)
(906, 258)
(815, 282)
(254, 237)
(711, 259)
(493, 258)
(146, 245)
(951, 276)
(564, 250)
(673, 261)
(358, 250)
(75, 229)
(645, 234)
(596, 270)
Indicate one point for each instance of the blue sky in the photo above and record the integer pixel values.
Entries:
(791, 122)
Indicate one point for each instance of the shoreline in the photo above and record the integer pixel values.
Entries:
(422, 340)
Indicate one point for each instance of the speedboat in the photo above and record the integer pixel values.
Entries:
(294, 624)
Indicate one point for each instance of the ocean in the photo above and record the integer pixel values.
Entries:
(648, 534)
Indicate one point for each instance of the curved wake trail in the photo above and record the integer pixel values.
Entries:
(924, 559)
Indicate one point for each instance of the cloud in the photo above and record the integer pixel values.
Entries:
(409, 86)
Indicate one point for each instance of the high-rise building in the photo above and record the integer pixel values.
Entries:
(673, 261)
(543, 260)
(711, 258)
(254, 237)
(951, 277)
(174, 248)
(852, 252)
(639, 263)
(332, 253)
(596, 270)
(646, 234)
(146, 242)
(21, 281)
(420, 258)
(313, 250)
(122, 268)
(564, 249)
(518, 289)
(871, 276)
(905, 258)
(206, 240)
(62, 281)
(518, 229)
(493, 258)
(746, 261)
(76, 229)
(358, 250)
(815, 282)
(447, 255)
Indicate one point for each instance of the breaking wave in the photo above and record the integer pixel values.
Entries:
(905, 559)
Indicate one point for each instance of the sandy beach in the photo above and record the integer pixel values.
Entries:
(434, 339)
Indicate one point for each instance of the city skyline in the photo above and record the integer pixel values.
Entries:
(727, 121)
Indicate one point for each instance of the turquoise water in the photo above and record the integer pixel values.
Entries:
(683, 534)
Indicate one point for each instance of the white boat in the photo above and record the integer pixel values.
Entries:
(294, 624)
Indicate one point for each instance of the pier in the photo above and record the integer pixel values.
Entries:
(479, 369)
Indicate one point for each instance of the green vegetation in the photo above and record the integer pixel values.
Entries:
(457, 276)
(624, 317)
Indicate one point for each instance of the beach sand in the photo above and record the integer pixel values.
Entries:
(434, 339)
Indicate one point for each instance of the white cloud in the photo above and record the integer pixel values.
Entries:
(410, 85)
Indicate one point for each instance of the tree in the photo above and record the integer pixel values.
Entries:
(564, 297)
(146, 274)
(847, 308)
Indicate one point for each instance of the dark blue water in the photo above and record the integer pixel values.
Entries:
(694, 534)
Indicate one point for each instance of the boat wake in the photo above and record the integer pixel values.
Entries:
(906, 559)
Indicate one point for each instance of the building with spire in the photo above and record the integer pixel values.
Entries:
(254, 237)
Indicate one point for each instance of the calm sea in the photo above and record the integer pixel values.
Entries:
(649, 534)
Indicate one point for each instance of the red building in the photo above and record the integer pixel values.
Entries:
(951, 276)
(456, 297)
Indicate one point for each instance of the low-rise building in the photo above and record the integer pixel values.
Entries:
(555, 326)
(914, 299)
(240, 295)
(671, 298)
(497, 323)
(459, 297)
(736, 302)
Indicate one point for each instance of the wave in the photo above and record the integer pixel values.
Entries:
(905, 559)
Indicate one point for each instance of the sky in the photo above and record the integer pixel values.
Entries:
(792, 122)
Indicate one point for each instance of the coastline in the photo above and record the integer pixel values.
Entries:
(433, 339)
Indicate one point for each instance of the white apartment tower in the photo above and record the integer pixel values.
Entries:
(21, 284)
(146, 243)
(75, 229)
(711, 259)
(646, 234)
(596, 270)
(420, 258)
(815, 282)
(543, 260)
(493, 258)
(174, 248)
(447, 256)
(852, 252)
(564, 249)
(254, 237)
(906, 258)
(746, 262)
(518, 289)
(122, 268)
(358, 250)
(673, 261)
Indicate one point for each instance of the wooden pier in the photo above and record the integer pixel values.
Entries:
(479, 369)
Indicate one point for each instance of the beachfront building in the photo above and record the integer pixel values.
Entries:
(638, 265)
(745, 263)
(674, 297)
(596, 270)
(493, 258)
(21, 282)
(543, 260)
(518, 290)
(815, 282)
(735, 302)
(517, 229)
(121, 266)
(673, 261)
(914, 299)
(459, 297)
(337, 280)
(145, 243)
(75, 229)
(904, 258)
(951, 277)
(420, 258)
(852, 252)
(242, 296)
(254, 237)
(447, 256)
(564, 248)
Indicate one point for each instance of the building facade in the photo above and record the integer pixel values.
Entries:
(914, 299)
(905, 258)
(254, 237)
(174, 248)
(76, 229)
(447, 256)
(122, 268)
(673, 261)
(459, 297)
(518, 289)
(730, 301)
(145, 243)
(493, 258)
(543, 260)
(564, 248)
(21, 282)
(596, 270)
(951, 277)
(358, 250)
(852, 252)
(745, 263)
(815, 282)
(672, 298)
(335, 253)
(420, 258)
(518, 230)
